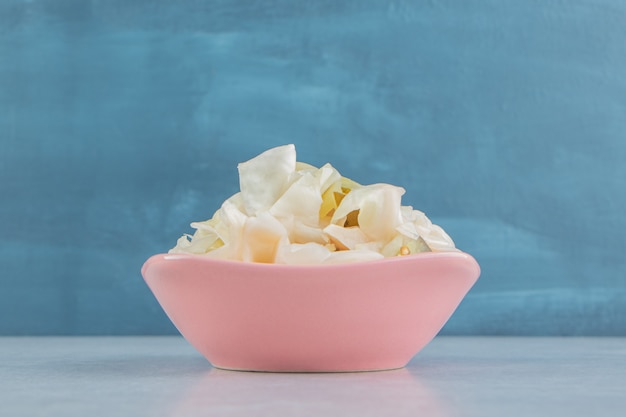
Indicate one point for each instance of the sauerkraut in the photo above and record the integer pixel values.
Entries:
(288, 212)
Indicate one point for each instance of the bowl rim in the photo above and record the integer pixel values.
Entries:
(244, 265)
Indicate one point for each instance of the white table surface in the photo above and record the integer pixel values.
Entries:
(453, 376)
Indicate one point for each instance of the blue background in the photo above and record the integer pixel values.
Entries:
(121, 122)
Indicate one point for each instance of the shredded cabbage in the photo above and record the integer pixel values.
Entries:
(290, 212)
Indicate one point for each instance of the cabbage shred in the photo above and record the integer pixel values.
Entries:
(290, 212)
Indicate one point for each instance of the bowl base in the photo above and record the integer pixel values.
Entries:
(306, 371)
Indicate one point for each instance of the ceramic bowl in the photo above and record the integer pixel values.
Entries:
(323, 318)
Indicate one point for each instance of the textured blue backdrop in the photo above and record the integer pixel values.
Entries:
(121, 122)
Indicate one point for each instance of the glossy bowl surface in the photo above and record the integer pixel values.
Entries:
(323, 318)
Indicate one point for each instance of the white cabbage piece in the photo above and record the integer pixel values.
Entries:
(265, 178)
(438, 240)
(345, 238)
(302, 253)
(229, 222)
(301, 201)
(370, 246)
(260, 238)
(327, 175)
(379, 210)
(294, 213)
(357, 255)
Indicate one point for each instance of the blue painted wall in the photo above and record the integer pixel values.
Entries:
(121, 122)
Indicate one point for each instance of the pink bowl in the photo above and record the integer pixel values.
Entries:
(324, 318)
